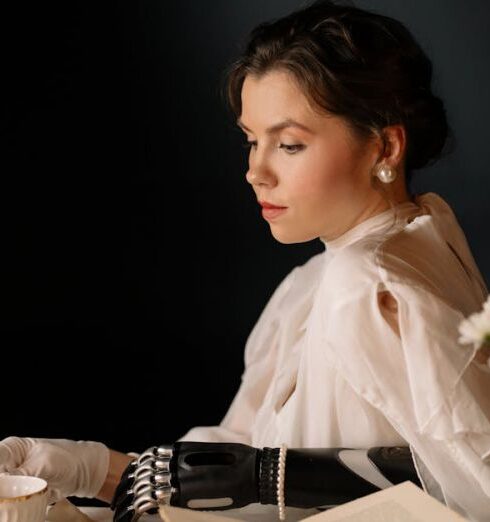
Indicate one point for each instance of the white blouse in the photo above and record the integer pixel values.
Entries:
(323, 368)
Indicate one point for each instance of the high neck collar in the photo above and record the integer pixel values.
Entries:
(373, 224)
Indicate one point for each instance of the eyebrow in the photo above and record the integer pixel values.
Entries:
(288, 122)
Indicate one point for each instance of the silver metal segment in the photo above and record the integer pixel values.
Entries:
(147, 454)
(140, 485)
(162, 465)
(163, 494)
(358, 461)
(162, 479)
(141, 473)
(152, 481)
(164, 452)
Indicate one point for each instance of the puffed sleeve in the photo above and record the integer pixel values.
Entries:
(429, 387)
(259, 362)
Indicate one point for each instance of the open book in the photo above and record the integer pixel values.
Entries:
(403, 502)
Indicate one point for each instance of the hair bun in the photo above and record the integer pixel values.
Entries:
(427, 129)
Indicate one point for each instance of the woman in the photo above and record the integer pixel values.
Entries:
(357, 347)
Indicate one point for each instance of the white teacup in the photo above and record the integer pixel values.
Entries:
(23, 499)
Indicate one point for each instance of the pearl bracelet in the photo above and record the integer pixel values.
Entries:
(280, 482)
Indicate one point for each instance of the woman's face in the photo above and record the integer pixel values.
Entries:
(321, 173)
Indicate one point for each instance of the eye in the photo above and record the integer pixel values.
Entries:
(291, 149)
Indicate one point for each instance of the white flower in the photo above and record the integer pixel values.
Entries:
(486, 305)
(475, 329)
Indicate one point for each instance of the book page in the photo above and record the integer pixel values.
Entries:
(404, 502)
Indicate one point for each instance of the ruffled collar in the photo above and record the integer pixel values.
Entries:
(405, 211)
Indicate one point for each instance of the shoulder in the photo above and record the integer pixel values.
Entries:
(416, 248)
(426, 248)
(417, 252)
(423, 254)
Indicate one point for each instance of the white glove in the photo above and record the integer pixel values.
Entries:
(71, 468)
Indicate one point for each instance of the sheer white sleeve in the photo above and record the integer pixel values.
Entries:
(428, 386)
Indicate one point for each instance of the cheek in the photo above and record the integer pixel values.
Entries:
(325, 173)
(321, 180)
(336, 166)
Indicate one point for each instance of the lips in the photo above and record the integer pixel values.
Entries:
(266, 204)
(270, 210)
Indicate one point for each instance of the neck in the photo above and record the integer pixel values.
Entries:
(378, 206)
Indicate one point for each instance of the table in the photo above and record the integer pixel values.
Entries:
(101, 514)
(250, 513)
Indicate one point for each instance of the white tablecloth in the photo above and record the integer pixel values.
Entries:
(105, 515)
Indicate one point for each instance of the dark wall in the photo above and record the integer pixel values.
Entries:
(135, 260)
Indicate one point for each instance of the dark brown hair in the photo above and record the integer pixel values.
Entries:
(360, 65)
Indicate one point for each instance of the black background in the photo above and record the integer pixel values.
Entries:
(134, 258)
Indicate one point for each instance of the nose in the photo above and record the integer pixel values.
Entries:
(260, 174)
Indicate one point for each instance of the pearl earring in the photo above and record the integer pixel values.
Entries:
(385, 173)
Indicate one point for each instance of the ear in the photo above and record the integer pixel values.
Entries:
(395, 143)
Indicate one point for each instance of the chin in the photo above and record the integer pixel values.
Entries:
(289, 238)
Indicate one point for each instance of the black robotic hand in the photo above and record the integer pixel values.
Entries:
(195, 475)
(217, 476)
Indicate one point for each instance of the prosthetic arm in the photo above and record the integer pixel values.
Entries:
(217, 476)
